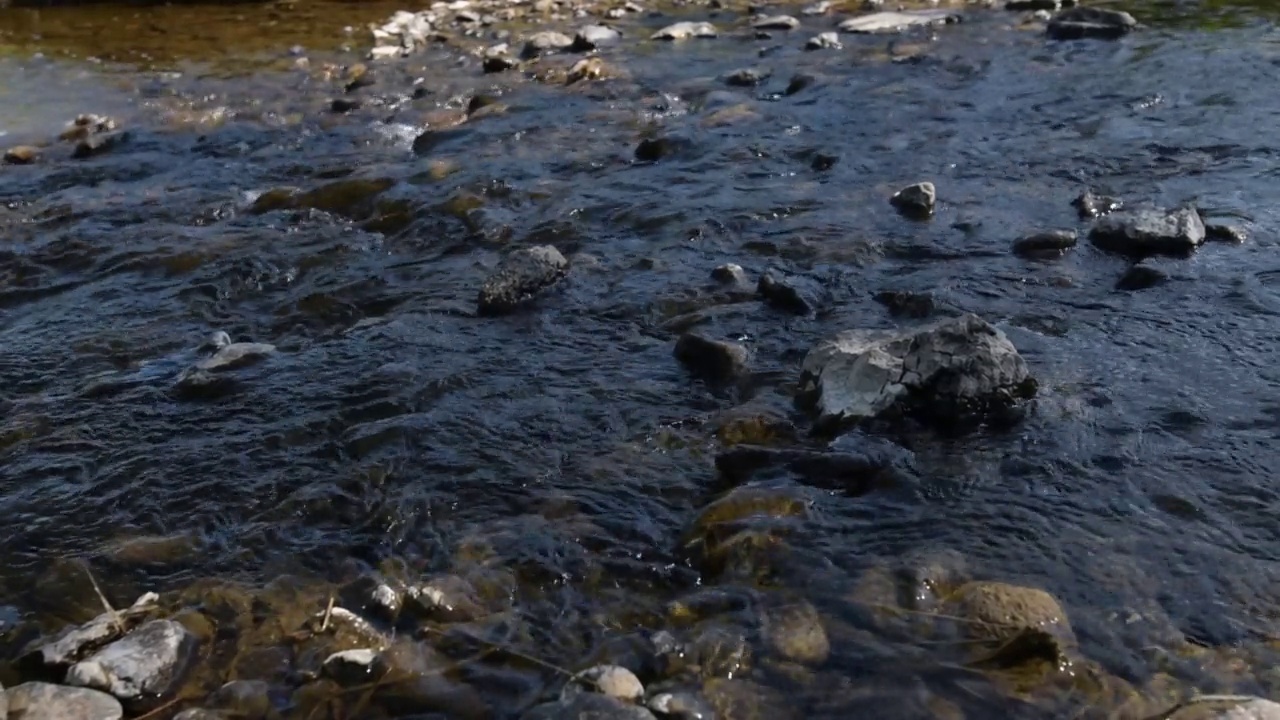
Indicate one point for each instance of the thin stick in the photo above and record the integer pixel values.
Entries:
(160, 709)
(115, 616)
(328, 613)
(514, 653)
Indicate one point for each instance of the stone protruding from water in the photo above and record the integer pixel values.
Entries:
(149, 662)
(897, 21)
(685, 30)
(955, 369)
(915, 201)
(1147, 232)
(520, 277)
(713, 360)
(46, 701)
(1089, 22)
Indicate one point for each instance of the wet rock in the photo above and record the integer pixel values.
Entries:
(657, 148)
(418, 680)
(521, 276)
(897, 21)
(206, 375)
(243, 699)
(717, 651)
(404, 33)
(915, 201)
(147, 663)
(682, 705)
(594, 37)
(1141, 277)
(1148, 232)
(818, 8)
(77, 642)
(344, 105)
(799, 82)
(588, 706)
(446, 598)
(795, 631)
(823, 162)
(788, 293)
(730, 274)
(824, 41)
(21, 155)
(1089, 205)
(44, 701)
(998, 612)
(907, 304)
(953, 370)
(99, 144)
(776, 22)
(87, 125)
(1222, 232)
(496, 60)
(714, 360)
(613, 681)
(353, 667)
(547, 41)
(204, 714)
(1045, 245)
(746, 77)
(738, 699)
(854, 473)
(1089, 22)
(590, 68)
(1224, 708)
(685, 30)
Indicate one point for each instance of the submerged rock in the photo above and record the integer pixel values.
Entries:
(746, 77)
(1222, 232)
(1045, 245)
(1224, 708)
(446, 598)
(1089, 205)
(1020, 623)
(957, 369)
(611, 680)
(795, 631)
(45, 701)
(588, 706)
(147, 663)
(897, 21)
(682, 705)
(789, 293)
(714, 360)
(915, 201)
(1089, 22)
(1141, 277)
(520, 277)
(685, 30)
(906, 303)
(1148, 232)
(209, 376)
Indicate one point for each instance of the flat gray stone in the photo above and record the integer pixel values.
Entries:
(896, 21)
(685, 30)
(150, 661)
(545, 42)
(776, 22)
(46, 701)
(593, 37)
(1148, 232)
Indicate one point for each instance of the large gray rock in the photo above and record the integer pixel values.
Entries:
(521, 276)
(45, 701)
(148, 662)
(956, 369)
(1148, 232)
(897, 21)
(77, 641)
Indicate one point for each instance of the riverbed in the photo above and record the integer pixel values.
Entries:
(398, 431)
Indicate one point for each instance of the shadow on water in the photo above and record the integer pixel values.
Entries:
(562, 448)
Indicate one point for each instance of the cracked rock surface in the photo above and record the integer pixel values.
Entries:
(952, 370)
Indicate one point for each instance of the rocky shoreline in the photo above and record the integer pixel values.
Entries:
(397, 642)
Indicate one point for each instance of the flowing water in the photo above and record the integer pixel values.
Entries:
(565, 442)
